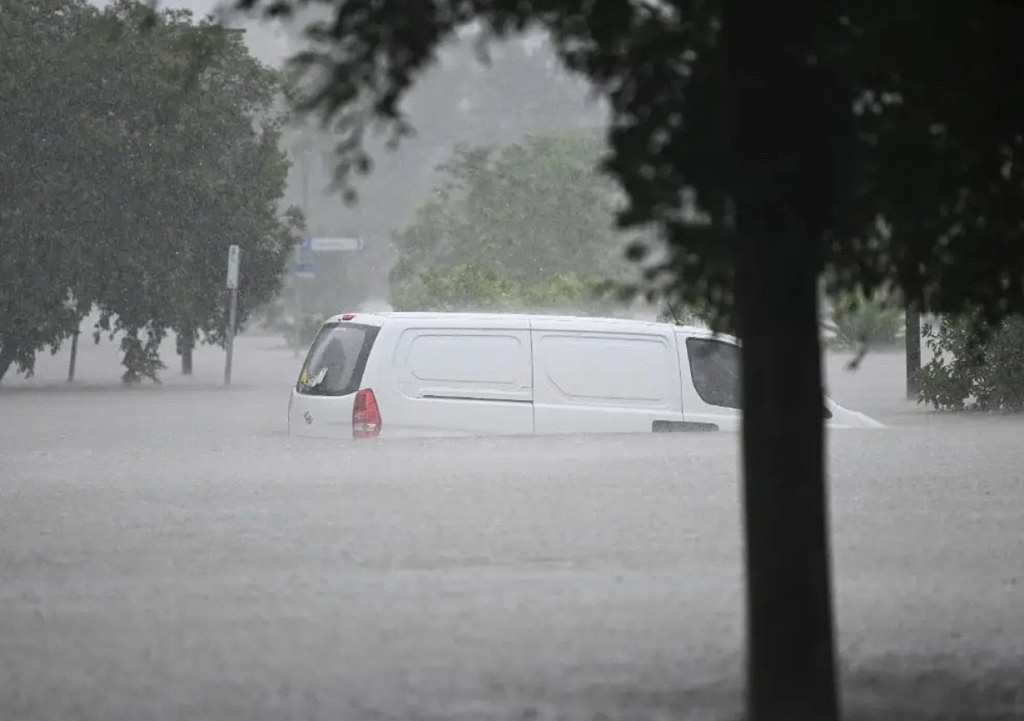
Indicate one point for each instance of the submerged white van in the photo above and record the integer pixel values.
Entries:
(461, 374)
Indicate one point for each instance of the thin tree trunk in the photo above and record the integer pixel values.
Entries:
(74, 357)
(5, 364)
(912, 338)
(783, 187)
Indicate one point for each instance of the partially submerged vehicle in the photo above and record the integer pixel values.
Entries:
(482, 374)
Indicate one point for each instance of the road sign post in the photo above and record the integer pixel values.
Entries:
(234, 259)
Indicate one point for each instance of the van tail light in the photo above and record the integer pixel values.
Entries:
(365, 415)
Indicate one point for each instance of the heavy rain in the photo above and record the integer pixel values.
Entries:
(173, 545)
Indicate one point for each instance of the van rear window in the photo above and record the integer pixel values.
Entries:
(336, 359)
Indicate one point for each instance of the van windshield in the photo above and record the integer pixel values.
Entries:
(336, 359)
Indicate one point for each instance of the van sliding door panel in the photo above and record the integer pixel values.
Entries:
(463, 381)
(603, 382)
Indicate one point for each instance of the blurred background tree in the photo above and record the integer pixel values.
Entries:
(537, 215)
(140, 145)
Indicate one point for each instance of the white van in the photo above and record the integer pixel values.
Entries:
(461, 374)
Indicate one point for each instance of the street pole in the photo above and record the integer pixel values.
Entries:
(231, 336)
(234, 257)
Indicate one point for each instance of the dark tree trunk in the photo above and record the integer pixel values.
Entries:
(186, 343)
(789, 607)
(912, 338)
(74, 357)
(784, 197)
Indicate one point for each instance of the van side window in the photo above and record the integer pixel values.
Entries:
(715, 369)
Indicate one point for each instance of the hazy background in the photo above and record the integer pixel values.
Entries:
(460, 99)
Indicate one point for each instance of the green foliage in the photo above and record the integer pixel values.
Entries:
(537, 215)
(44, 113)
(571, 292)
(142, 356)
(467, 287)
(861, 321)
(536, 207)
(479, 287)
(223, 175)
(140, 146)
(975, 365)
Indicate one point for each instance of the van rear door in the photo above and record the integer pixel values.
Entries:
(325, 391)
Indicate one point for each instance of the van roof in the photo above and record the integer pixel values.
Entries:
(379, 318)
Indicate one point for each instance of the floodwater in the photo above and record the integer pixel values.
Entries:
(167, 552)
